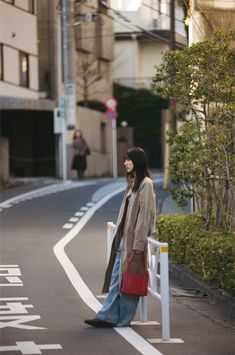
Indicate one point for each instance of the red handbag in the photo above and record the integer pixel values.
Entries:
(133, 283)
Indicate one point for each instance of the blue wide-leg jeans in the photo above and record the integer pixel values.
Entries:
(118, 308)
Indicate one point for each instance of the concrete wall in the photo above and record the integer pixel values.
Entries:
(97, 131)
(207, 16)
(94, 48)
(4, 160)
(18, 32)
(150, 56)
(136, 59)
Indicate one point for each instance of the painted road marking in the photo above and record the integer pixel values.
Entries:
(14, 299)
(43, 191)
(73, 219)
(68, 225)
(82, 289)
(14, 279)
(29, 347)
(79, 214)
(10, 274)
(15, 307)
(16, 322)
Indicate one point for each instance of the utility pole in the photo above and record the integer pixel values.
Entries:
(68, 48)
(172, 24)
(170, 121)
(60, 99)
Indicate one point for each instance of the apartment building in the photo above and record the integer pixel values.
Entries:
(205, 16)
(29, 85)
(27, 139)
(142, 33)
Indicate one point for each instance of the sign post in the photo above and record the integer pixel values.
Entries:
(111, 113)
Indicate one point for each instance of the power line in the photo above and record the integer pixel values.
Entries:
(160, 13)
(147, 32)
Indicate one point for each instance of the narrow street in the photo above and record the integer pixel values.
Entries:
(53, 259)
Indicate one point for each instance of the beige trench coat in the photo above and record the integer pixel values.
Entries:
(139, 224)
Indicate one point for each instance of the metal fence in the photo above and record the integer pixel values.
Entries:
(158, 270)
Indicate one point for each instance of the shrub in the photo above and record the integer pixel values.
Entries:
(209, 254)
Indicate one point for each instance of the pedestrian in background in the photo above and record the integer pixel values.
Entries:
(136, 221)
(81, 150)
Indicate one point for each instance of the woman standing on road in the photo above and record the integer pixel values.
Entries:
(79, 162)
(135, 223)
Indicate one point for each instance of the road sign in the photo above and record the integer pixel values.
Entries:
(112, 115)
(111, 103)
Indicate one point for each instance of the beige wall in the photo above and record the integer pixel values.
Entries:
(94, 47)
(133, 59)
(150, 56)
(11, 65)
(23, 24)
(7, 89)
(207, 16)
(99, 162)
(124, 53)
(18, 32)
(33, 73)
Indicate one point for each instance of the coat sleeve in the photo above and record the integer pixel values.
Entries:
(146, 216)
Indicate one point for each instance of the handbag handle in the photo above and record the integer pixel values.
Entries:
(131, 260)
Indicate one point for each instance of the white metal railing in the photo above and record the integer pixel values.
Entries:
(158, 270)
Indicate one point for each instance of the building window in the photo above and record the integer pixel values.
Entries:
(1, 62)
(24, 69)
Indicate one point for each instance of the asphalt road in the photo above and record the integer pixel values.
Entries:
(53, 259)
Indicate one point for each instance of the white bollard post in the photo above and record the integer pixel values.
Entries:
(110, 235)
(144, 309)
(164, 272)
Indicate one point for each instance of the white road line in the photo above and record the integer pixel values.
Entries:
(43, 191)
(79, 214)
(73, 219)
(89, 204)
(82, 289)
(68, 225)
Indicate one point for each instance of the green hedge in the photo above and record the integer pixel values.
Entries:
(209, 254)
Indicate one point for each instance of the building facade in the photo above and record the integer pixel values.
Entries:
(142, 33)
(29, 85)
(27, 140)
(206, 16)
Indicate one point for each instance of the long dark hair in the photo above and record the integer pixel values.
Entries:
(139, 158)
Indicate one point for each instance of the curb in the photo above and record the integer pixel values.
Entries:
(219, 296)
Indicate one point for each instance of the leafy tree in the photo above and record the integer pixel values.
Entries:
(201, 79)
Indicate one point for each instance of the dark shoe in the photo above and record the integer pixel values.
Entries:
(97, 323)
